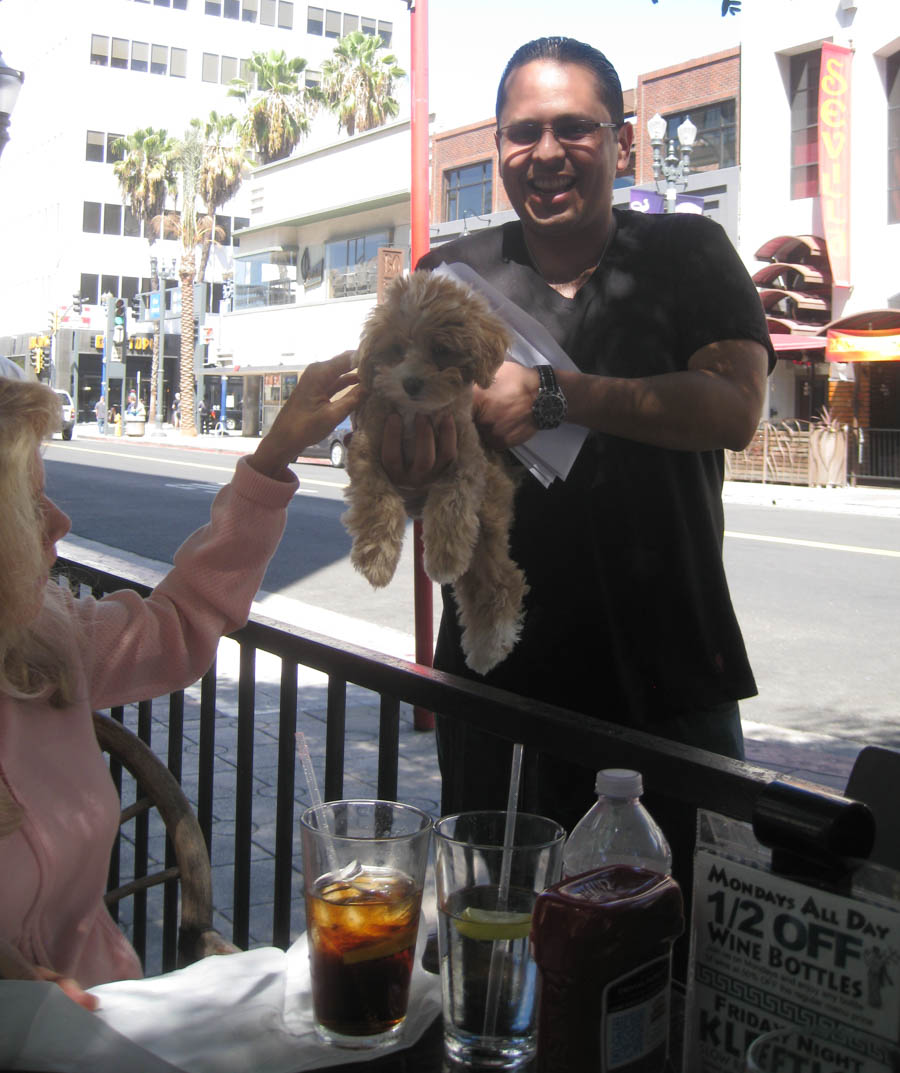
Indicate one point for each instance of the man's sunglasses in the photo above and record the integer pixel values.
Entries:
(565, 131)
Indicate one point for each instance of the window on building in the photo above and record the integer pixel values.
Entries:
(229, 69)
(159, 59)
(109, 285)
(223, 236)
(210, 71)
(716, 143)
(180, 5)
(131, 285)
(351, 23)
(162, 3)
(112, 155)
(112, 219)
(232, 9)
(96, 141)
(332, 24)
(315, 20)
(368, 26)
(385, 32)
(90, 288)
(312, 78)
(250, 10)
(248, 75)
(140, 55)
(178, 63)
(99, 50)
(239, 222)
(90, 219)
(132, 226)
(285, 14)
(267, 12)
(119, 53)
(468, 191)
(893, 101)
(213, 7)
(352, 263)
(804, 124)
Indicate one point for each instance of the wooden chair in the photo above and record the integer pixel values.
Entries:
(196, 936)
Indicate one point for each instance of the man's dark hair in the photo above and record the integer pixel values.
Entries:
(568, 50)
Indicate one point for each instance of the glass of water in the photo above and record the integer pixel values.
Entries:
(488, 977)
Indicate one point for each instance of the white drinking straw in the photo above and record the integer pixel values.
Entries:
(500, 946)
(318, 806)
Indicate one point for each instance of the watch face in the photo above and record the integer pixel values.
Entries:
(549, 409)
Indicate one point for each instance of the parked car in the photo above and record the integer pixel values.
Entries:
(68, 414)
(334, 446)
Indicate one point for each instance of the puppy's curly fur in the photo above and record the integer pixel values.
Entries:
(421, 351)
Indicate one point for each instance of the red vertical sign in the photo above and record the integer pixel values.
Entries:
(834, 157)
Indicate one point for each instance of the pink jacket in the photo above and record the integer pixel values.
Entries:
(53, 869)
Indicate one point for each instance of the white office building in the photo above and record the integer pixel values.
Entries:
(99, 69)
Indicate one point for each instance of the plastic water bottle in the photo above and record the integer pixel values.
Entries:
(617, 829)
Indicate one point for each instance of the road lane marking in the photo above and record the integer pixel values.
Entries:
(887, 552)
(175, 462)
(142, 458)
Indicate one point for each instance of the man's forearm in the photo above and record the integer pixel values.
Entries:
(714, 403)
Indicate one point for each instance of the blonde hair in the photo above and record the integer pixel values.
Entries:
(35, 638)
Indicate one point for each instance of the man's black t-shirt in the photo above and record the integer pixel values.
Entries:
(628, 616)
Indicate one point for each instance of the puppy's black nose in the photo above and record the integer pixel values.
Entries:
(412, 385)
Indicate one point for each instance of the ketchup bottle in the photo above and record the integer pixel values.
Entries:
(603, 944)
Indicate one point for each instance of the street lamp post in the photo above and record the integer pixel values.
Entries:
(10, 83)
(673, 169)
(162, 271)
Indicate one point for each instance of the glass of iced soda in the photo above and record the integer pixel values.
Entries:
(364, 870)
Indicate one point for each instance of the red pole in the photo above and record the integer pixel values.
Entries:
(419, 217)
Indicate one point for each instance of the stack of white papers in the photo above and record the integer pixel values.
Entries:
(550, 453)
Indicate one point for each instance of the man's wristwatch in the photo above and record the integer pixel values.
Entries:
(549, 408)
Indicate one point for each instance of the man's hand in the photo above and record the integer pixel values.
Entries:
(503, 411)
(412, 467)
(326, 393)
(14, 967)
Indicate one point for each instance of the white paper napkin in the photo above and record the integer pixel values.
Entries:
(236, 1012)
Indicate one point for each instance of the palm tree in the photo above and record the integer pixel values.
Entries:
(146, 177)
(194, 230)
(357, 82)
(278, 107)
(221, 173)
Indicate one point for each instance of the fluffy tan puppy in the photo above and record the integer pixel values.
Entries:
(421, 351)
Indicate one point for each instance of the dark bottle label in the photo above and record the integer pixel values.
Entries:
(635, 1019)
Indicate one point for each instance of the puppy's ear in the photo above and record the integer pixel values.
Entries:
(365, 366)
(492, 341)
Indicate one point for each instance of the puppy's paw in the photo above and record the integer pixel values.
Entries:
(377, 562)
(491, 613)
(446, 559)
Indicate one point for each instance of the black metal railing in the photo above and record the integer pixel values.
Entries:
(684, 778)
(875, 454)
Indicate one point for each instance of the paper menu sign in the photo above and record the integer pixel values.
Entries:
(770, 952)
(550, 453)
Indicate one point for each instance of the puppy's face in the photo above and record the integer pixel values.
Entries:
(427, 342)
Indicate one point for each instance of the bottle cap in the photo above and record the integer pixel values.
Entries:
(619, 782)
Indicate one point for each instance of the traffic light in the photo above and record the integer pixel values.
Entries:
(37, 359)
(77, 302)
(53, 322)
(136, 306)
(119, 321)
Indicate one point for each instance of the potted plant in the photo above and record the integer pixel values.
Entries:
(827, 450)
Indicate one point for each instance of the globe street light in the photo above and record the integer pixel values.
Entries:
(673, 169)
(10, 83)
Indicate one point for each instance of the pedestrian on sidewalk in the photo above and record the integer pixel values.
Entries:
(100, 414)
(628, 616)
(62, 657)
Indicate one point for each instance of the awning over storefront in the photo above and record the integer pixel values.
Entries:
(863, 346)
(793, 343)
(782, 247)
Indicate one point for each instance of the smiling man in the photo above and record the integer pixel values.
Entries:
(628, 617)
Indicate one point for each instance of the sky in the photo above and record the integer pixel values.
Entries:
(471, 40)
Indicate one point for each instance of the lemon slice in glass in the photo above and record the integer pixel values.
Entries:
(386, 948)
(491, 924)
